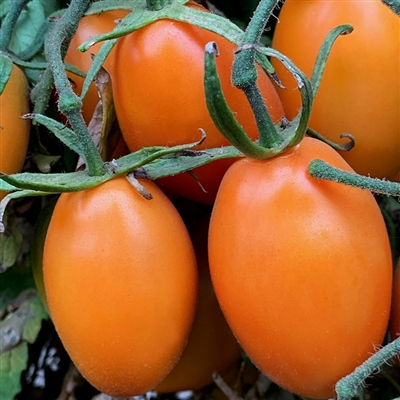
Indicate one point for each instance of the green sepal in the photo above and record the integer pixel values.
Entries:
(174, 163)
(62, 132)
(224, 119)
(323, 54)
(6, 66)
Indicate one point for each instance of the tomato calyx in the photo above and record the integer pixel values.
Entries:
(225, 120)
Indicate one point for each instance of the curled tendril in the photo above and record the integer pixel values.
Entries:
(341, 147)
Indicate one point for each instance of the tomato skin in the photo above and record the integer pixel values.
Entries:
(121, 289)
(162, 102)
(90, 25)
(14, 131)
(293, 261)
(211, 346)
(395, 314)
(351, 98)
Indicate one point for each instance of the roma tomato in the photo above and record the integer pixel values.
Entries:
(395, 315)
(90, 25)
(351, 98)
(211, 345)
(121, 289)
(14, 130)
(302, 268)
(37, 246)
(159, 96)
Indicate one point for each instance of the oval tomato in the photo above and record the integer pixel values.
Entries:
(90, 25)
(211, 345)
(121, 289)
(301, 267)
(37, 246)
(14, 130)
(159, 96)
(360, 88)
(395, 315)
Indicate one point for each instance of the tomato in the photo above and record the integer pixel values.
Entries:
(14, 130)
(159, 96)
(360, 88)
(89, 26)
(301, 267)
(211, 345)
(395, 315)
(37, 245)
(120, 287)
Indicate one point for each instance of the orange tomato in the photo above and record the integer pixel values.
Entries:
(211, 345)
(301, 267)
(121, 288)
(14, 131)
(89, 26)
(360, 88)
(395, 315)
(159, 96)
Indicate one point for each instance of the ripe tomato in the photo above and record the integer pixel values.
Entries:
(14, 131)
(395, 315)
(159, 96)
(211, 345)
(301, 267)
(89, 26)
(121, 289)
(37, 245)
(351, 97)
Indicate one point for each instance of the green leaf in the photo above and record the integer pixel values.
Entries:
(12, 363)
(6, 186)
(19, 328)
(30, 22)
(4, 7)
(10, 246)
(34, 323)
(5, 70)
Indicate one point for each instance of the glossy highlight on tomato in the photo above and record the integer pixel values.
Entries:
(120, 287)
(301, 267)
(90, 25)
(14, 131)
(211, 346)
(159, 96)
(360, 88)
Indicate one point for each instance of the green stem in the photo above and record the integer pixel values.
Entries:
(40, 94)
(394, 5)
(9, 22)
(244, 72)
(268, 136)
(321, 170)
(155, 5)
(220, 112)
(348, 386)
(69, 103)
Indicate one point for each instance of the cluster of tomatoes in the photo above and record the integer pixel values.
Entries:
(301, 268)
